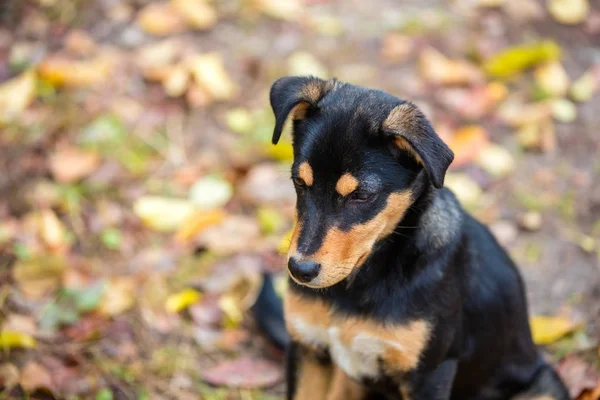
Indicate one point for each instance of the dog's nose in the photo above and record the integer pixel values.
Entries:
(303, 271)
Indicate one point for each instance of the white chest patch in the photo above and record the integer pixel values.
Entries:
(359, 358)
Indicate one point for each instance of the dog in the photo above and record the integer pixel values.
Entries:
(395, 292)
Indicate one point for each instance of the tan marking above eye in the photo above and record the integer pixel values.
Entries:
(346, 184)
(305, 172)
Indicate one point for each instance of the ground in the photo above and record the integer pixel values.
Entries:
(140, 197)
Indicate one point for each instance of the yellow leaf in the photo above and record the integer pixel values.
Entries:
(176, 81)
(198, 222)
(163, 213)
(10, 340)
(513, 60)
(569, 12)
(16, 95)
(303, 63)
(552, 78)
(197, 13)
(60, 71)
(232, 310)
(52, 230)
(160, 19)
(288, 10)
(547, 330)
(282, 152)
(210, 73)
(584, 87)
(182, 300)
(284, 243)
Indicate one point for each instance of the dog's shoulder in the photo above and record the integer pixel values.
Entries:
(442, 223)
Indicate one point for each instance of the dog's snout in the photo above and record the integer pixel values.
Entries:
(304, 271)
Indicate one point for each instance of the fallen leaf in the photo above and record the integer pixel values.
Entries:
(160, 54)
(52, 231)
(160, 19)
(236, 233)
(181, 300)
(119, 296)
(70, 164)
(552, 79)
(495, 160)
(9, 376)
(79, 42)
(285, 242)
(34, 376)
(473, 103)
(578, 375)
(61, 71)
(282, 152)
(247, 373)
(269, 219)
(199, 221)
(546, 330)
(198, 14)
(11, 340)
(531, 221)
(512, 60)
(266, 184)
(239, 120)
(303, 63)
(16, 95)
(466, 143)
(209, 72)
(514, 112)
(287, 10)
(466, 189)
(176, 81)
(163, 213)
(585, 86)
(396, 48)
(39, 275)
(210, 192)
(569, 12)
(564, 110)
(437, 69)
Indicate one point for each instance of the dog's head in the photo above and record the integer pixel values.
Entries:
(359, 154)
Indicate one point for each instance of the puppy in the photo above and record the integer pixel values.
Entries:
(395, 292)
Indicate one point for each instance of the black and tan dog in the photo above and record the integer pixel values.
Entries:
(395, 291)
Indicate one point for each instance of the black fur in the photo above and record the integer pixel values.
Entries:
(439, 265)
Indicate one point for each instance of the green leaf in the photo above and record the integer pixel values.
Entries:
(515, 59)
(104, 394)
(111, 238)
(88, 299)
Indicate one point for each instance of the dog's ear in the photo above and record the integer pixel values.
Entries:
(295, 94)
(412, 132)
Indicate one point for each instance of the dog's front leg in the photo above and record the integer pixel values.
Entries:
(435, 385)
(308, 376)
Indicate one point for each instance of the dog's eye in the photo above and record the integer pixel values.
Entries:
(360, 197)
(299, 182)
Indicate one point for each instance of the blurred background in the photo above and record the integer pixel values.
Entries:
(141, 199)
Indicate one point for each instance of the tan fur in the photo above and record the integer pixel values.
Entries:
(412, 338)
(403, 144)
(343, 251)
(346, 184)
(313, 380)
(313, 313)
(405, 118)
(306, 173)
(404, 391)
(344, 388)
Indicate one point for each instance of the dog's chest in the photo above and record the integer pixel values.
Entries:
(363, 348)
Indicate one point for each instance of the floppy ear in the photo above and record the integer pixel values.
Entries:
(413, 133)
(297, 94)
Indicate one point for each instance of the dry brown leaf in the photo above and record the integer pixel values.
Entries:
(198, 222)
(515, 112)
(79, 42)
(160, 19)
(16, 95)
(396, 48)
(39, 275)
(538, 136)
(9, 376)
(437, 69)
(198, 14)
(35, 376)
(236, 233)
(288, 10)
(249, 373)
(176, 81)
(70, 164)
(466, 143)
